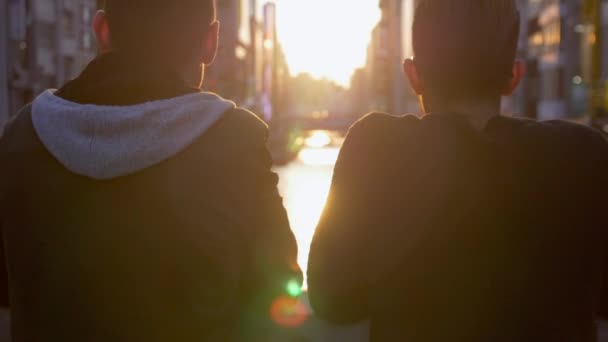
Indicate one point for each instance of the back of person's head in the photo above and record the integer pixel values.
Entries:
(465, 49)
(172, 31)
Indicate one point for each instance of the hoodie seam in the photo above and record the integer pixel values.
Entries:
(50, 94)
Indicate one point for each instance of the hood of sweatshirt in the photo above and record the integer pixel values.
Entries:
(107, 142)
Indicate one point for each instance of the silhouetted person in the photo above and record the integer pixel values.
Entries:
(464, 225)
(136, 207)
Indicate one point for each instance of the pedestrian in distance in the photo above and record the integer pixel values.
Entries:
(464, 225)
(136, 207)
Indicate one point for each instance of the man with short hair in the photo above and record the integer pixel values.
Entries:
(134, 206)
(464, 225)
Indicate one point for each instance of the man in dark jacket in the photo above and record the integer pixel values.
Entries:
(464, 225)
(134, 206)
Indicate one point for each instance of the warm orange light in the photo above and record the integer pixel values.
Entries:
(289, 312)
(319, 157)
(326, 38)
(318, 139)
(268, 44)
(305, 189)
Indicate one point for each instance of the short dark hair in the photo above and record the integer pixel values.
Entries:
(169, 30)
(465, 48)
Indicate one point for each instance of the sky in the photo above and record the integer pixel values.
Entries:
(326, 38)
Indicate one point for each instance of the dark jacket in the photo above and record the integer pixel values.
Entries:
(111, 242)
(438, 232)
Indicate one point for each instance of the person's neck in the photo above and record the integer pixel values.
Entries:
(114, 79)
(478, 113)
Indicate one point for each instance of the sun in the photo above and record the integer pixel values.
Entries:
(326, 38)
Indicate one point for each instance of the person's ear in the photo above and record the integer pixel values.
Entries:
(518, 74)
(101, 28)
(211, 43)
(409, 67)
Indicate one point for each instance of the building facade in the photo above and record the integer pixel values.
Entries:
(391, 44)
(48, 42)
(388, 75)
(226, 75)
(250, 67)
(566, 53)
(4, 107)
(601, 102)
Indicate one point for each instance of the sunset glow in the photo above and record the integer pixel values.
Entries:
(326, 38)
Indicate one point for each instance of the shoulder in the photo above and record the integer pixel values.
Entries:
(379, 121)
(557, 132)
(17, 131)
(244, 123)
(16, 121)
(378, 126)
(374, 136)
(18, 142)
(584, 145)
(241, 135)
(561, 139)
(238, 129)
(573, 130)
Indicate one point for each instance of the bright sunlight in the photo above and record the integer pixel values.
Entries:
(326, 38)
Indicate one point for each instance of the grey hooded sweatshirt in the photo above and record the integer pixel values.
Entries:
(156, 221)
(105, 142)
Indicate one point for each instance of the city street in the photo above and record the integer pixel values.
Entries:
(309, 69)
(304, 184)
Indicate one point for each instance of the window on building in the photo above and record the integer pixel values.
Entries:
(45, 35)
(87, 41)
(552, 84)
(67, 22)
(552, 35)
(86, 15)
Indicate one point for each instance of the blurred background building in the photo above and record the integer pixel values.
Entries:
(227, 75)
(250, 68)
(44, 44)
(563, 42)
(380, 85)
(565, 45)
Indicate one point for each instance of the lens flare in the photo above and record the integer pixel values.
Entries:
(289, 312)
(294, 288)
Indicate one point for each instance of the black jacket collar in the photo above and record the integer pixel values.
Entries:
(117, 80)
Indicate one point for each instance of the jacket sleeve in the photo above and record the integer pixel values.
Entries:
(4, 286)
(602, 181)
(338, 269)
(5, 179)
(272, 255)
